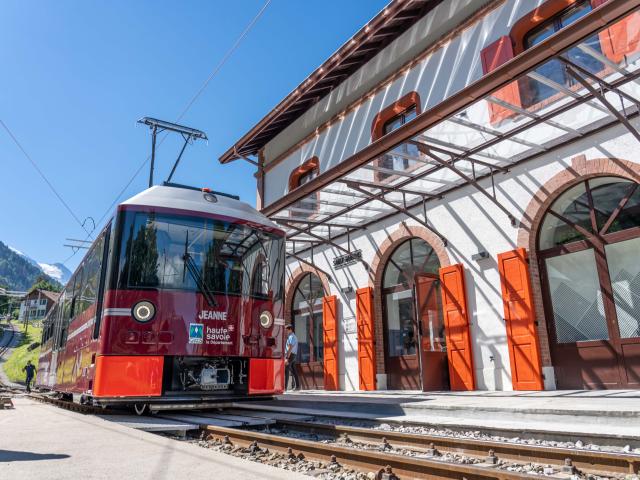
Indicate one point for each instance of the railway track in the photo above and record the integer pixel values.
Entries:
(8, 342)
(378, 455)
(385, 452)
(590, 461)
(72, 406)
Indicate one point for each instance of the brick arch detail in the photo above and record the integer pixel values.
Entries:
(580, 169)
(403, 233)
(293, 281)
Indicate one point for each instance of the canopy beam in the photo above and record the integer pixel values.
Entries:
(403, 210)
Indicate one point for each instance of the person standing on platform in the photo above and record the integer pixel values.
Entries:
(30, 370)
(291, 351)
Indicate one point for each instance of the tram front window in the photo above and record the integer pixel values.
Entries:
(189, 253)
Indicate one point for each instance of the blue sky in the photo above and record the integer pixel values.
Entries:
(77, 75)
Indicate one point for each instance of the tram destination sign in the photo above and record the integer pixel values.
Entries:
(347, 259)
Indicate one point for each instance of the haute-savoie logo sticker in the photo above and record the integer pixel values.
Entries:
(214, 335)
(196, 333)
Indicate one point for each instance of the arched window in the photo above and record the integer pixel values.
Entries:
(301, 175)
(386, 121)
(306, 311)
(411, 259)
(589, 249)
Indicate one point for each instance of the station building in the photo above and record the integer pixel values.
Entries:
(459, 187)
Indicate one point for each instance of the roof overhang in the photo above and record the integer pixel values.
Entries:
(385, 27)
(455, 143)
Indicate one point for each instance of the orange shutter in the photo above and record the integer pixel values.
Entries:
(366, 339)
(458, 334)
(520, 320)
(622, 38)
(492, 57)
(330, 334)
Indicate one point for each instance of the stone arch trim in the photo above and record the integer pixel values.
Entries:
(580, 169)
(402, 233)
(293, 281)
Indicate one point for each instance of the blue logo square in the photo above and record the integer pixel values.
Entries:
(196, 332)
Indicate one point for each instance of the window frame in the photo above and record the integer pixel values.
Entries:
(311, 310)
(569, 82)
(310, 166)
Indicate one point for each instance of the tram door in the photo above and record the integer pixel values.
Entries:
(431, 333)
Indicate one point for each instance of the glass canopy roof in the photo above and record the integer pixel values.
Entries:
(573, 92)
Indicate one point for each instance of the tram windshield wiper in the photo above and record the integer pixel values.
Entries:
(194, 271)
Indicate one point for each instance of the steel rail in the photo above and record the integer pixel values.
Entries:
(72, 406)
(404, 467)
(591, 461)
(6, 346)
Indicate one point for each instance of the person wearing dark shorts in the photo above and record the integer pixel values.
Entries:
(290, 354)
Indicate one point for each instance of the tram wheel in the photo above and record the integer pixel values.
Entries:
(140, 408)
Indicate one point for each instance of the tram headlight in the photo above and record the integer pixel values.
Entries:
(143, 311)
(266, 319)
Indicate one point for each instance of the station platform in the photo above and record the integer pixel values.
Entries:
(43, 441)
(585, 415)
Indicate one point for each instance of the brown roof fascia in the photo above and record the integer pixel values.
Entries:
(343, 56)
(599, 18)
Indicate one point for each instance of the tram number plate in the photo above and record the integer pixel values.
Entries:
(223, 386)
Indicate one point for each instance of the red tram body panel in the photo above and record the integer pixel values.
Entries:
(179, 299)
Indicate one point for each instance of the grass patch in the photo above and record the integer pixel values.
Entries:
(19, 356)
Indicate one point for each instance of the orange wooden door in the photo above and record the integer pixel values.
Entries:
(458, 334)
(520, 320)
(330, 337)
(366, 339)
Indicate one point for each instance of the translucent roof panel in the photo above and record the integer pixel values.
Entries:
(565, 97)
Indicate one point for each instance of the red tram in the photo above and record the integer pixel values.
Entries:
(178, 300)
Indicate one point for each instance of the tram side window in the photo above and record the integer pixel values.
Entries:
(91, 277)
(48, 324)
(102, 250)
(260, 279)
(59, 320)
(69, 308)
(77, 290)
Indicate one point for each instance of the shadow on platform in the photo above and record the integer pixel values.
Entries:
(16, 456)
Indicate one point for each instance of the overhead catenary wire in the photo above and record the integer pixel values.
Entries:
(184, 111)
(46, 180)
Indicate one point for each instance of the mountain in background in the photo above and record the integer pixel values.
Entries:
(56, 271)
(19, 272)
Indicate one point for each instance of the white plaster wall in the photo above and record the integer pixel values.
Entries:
(444, 72)
(406, 47)
(471, 223)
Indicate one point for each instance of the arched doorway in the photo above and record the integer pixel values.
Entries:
(415, 347)
(306, 311)
(589, 255)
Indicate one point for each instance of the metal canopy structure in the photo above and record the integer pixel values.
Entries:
(457, 143)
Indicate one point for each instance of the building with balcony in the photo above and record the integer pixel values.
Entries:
(36, 304)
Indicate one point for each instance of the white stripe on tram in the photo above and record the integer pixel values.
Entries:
(81, 328)
(117, 312)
